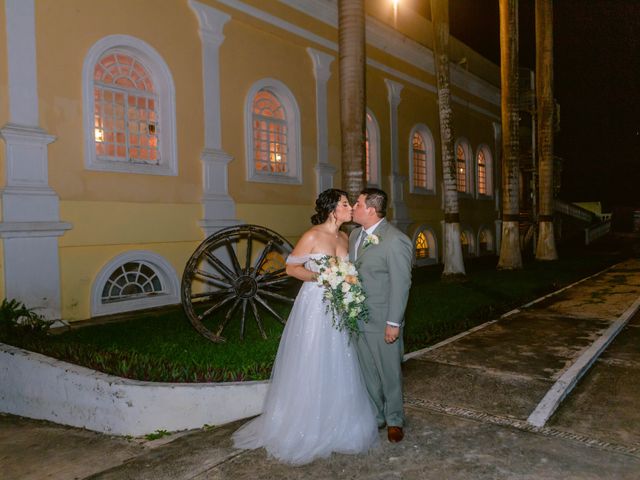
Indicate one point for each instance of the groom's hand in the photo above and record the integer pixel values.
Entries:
(391, 333)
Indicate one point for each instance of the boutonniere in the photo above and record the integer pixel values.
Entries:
(371, 240)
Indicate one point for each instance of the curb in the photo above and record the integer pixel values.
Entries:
(573, 374)
(36, 386)
(446, 341)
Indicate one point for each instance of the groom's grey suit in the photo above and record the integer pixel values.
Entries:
(385, 273)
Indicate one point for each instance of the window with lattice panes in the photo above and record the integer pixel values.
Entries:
(419, 158)
(422, 246)
(269, 134)
(482, 173)
(131, 280)
(461, 169)
(126, 113)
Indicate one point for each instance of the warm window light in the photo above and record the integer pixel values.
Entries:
(99, 134)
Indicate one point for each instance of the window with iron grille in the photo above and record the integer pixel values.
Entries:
(461, 168)
(272, 122)
(129, 108)
(421, 160)
(131, 280)
(422, 246)
(419, 155)
(269, 134)
(484, 169)
(126, 120)
(482, 173)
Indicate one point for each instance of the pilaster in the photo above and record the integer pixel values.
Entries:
(401, 217)
(219, 209)
(322, 72)
(30, 208)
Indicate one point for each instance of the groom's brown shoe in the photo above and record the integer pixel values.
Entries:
(395, 434)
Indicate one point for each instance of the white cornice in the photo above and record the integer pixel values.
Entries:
(384, 38)
(396, 44)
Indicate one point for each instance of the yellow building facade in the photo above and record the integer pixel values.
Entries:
(134, 129)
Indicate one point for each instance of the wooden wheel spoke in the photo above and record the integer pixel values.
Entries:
(274, 273)
(221, 267)
(247, 263)
(258, 319)
(244, 316)
(217, 281)
(271, 310)
(273, 281)
(263, 256)
(233, 256)
(277, 295)
(214, 307)
(211, 294)
(228, 316)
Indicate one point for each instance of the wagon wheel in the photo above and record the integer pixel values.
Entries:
(239, 269)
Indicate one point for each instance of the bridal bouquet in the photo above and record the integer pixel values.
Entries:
(343, 293)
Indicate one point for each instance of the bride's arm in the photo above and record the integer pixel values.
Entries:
(302, 248)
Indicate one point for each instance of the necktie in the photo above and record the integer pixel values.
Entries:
(360, 244)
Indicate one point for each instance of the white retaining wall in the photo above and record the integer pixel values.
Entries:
(36, 386)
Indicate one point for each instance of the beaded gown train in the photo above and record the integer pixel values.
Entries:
(317, 402)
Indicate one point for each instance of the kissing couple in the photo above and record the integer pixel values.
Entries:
(330, 392)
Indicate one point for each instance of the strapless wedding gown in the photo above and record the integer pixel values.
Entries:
(317, 402)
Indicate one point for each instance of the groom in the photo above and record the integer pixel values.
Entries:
(383, 257)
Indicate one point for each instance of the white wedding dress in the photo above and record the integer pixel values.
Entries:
(317, 402)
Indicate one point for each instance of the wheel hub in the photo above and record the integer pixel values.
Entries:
(245, 286)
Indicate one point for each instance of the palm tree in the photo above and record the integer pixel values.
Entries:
(351, 41)
(546, 247)
(453, 263)
(510, 256)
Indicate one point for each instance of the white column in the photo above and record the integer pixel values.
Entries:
(218, 206)
(322, 72)
(30, 208)
(396, 195)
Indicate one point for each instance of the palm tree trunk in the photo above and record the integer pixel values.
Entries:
(546, 246)
(453, 262)
(351, 32)
(510, 255)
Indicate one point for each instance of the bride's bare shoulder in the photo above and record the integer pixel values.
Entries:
(306, 243)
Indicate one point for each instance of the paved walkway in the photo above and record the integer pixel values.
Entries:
(467, 403)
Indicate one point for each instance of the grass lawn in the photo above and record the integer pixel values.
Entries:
(162, 345)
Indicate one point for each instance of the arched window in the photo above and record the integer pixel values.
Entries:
(272, 134)
(464, 166)
(484, 172)
(425, 247)
(269, 134)
(422, 246)
(422, 160)
(372, 144)
(132, 281)
(129, 108)
(126, 120)
(485, 241)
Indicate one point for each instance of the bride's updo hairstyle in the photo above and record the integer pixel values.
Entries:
(326, 203)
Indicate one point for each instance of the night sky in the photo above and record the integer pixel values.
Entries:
(597, 84)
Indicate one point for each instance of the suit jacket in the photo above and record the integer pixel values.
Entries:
(385, 273)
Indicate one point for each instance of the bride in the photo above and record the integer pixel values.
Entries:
(317, 402)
